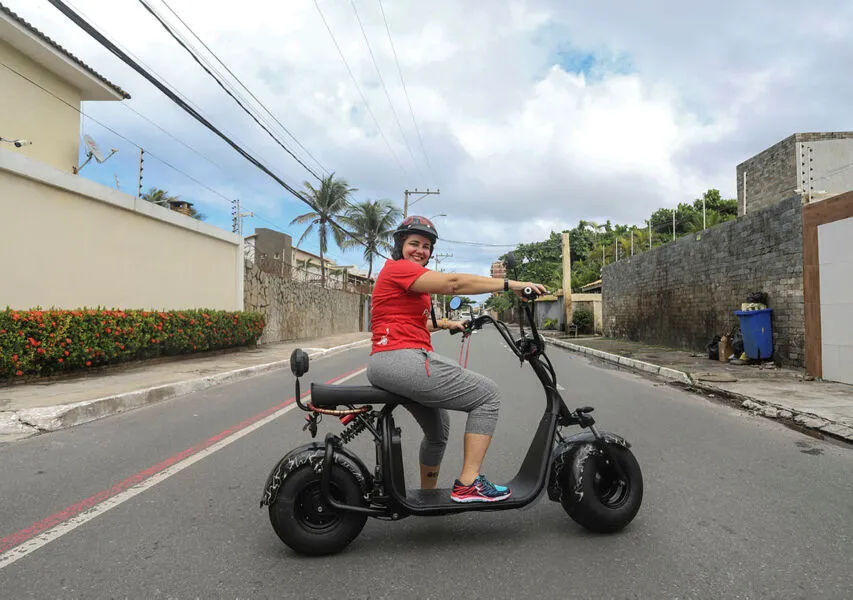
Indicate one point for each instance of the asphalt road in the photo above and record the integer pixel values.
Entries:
(736, 506)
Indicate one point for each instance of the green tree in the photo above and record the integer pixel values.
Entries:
(371, 227)
(327, 202)
(162, 198)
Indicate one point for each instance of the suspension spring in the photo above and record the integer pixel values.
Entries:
(353, 430)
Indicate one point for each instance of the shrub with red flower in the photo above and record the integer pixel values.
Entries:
(39, 342)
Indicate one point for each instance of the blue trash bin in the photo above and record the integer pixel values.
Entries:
(757, 334)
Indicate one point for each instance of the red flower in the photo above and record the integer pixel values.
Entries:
(66, 353)
(15, 358)
(61, 360)
(67, 340)
(40, 350)
(19, 373)
(109, 330)
(88, 363)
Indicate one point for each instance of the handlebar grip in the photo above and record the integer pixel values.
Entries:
(530, 293)
(467, 325)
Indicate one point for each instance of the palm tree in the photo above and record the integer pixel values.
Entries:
(371, 224)
(327, 202)
(157, 196)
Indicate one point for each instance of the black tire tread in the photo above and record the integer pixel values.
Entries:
(287, 527)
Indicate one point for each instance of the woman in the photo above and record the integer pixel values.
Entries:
(403, 362)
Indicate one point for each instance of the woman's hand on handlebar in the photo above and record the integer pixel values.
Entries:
(457, 326)
(519, 286)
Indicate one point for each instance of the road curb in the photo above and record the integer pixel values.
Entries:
(756, 406)
(631, 363)
(54, 418)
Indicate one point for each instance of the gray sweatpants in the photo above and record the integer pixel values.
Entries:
(437, 384)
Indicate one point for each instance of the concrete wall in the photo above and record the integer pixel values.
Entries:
(68, 242)
(682, 294)
(806, 161)
(836, 299)
(591, 302)
(28, 112)
(296, 310)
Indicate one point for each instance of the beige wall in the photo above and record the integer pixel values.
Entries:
(68, 242)
(27, 112)
(595, 301)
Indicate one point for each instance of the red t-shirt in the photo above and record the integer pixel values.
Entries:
(398, 316)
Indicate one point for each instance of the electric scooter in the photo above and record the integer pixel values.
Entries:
(320, 494)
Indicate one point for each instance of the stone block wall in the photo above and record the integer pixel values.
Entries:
(683, 293)
(296, 310)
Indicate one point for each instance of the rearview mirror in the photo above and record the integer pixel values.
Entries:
(299, 362)
(455, 302)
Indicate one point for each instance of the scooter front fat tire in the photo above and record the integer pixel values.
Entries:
(309, 525)
(595, 495)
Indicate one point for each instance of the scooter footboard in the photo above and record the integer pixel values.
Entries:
(313, 454)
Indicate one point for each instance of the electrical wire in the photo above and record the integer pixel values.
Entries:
(113, 131)
(382, 81)
(405, 91)
(77, 20)
(237, 79)
(207, 70)
(361, 93)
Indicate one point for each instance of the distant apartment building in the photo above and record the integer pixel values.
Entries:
(498, 269)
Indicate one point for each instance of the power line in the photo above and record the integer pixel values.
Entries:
(382, 81)
(113, 131)
(237, 79)
(74, 17)
(408, 100)
(358, 87)
(211, 161)
(227, 91)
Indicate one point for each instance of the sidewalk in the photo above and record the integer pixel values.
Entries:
(31, 408)
(783, 394)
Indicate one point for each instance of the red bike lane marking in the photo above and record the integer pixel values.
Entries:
(19, 537)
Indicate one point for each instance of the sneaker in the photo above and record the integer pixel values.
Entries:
(482, 490)
(500, 488)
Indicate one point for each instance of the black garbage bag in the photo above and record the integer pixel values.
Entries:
(714, 348)
(737, 344)
(758, 297)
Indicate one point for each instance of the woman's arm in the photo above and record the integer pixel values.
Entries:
(433, 282)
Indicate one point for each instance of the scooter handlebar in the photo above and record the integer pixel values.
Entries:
(529, 293)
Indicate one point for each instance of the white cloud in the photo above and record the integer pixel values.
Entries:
(672, 96)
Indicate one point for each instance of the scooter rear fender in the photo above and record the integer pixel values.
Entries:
(313, 454)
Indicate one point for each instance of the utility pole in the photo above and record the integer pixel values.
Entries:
(567, 278)
(438, 258)
(408, 193)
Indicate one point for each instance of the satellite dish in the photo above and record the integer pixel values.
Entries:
(92, 148)
(92, 151)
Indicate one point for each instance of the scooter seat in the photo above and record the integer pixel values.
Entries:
(336, 395)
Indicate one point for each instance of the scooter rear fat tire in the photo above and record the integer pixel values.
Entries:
(608, 502)
(306, 523)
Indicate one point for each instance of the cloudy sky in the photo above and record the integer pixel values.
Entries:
(527, 115)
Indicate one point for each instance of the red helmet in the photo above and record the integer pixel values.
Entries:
(419, 225)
